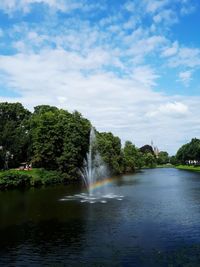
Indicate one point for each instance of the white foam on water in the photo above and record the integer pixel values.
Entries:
(86, 198)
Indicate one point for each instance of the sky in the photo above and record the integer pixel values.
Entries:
(131, 67)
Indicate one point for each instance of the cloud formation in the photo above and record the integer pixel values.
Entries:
(106, 63)
(185, 77)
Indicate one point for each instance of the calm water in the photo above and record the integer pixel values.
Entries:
(156, 224)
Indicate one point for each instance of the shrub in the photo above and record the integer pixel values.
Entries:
(12, 180)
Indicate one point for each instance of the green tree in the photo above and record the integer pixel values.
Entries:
(76, 131)
(59, 139)
(14, 135)
(132, 157)
(46, 138)
(163, 157)
(173, 160)
(149, 160)
(109, 147)
(189, 151)
(147, 149)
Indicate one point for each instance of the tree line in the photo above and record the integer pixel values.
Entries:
(188, 153)
(55, 139)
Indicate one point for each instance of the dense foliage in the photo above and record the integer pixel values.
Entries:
(36, 177)
(147, 149)
(57, 140)
(189, 152)
(163, 158)
(133, 157)
(110, 149)
(13, 133)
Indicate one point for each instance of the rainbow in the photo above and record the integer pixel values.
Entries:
(102, 183)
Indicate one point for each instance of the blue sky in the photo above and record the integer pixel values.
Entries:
(131, 67)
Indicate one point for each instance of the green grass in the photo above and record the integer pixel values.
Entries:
(36, 177)
(189, 168)
(165, 166)
(159, 166)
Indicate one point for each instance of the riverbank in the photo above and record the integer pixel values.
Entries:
(188, 168)
(31, 178)
(159, 166)
(40, 177)
(168, 165)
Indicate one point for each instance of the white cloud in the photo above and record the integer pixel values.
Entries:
(171, 51)
(131, 23)
(145, 75)
(141, 44)
(154, 5)
(107, 70)
(130, 6)
(166, 16)
(185, 77)
(112, 103)
(174, 109)
(10, 6)
(187, 11)
(186, 57)
(1, 33)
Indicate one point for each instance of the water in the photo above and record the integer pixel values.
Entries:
(94, 167)
(155, 224)
(95, 175)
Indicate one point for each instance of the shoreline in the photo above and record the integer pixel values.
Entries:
(188, 168)
(17, 179)
(35, 178)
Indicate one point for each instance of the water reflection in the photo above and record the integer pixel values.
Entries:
(156, 224)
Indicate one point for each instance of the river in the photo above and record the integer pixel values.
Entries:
(156, 223)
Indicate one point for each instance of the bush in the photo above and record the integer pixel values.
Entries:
(51, 177)
(35, 178)
(12, 180)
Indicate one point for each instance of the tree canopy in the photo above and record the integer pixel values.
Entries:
(189, 151)
(56, 139)
(132, 156)
(13, 132)
(163, 157)
(147, 149)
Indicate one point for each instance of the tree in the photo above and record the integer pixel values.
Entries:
(173, 160)
(14, 136)
(59, 139)
(109, 147)
(46, 138)
(149, 160)
(76, 130)
(147, 149)
(163, 157)
(56, 139)
(189, 151)
(132, 157)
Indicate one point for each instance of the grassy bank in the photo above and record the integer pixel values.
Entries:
(165, 166)
(159, 166)
(188, 168)
(36, 177)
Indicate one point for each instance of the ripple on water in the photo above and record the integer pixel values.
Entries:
(95, 198)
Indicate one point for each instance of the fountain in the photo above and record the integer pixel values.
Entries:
(95, 175)
(95, 170)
